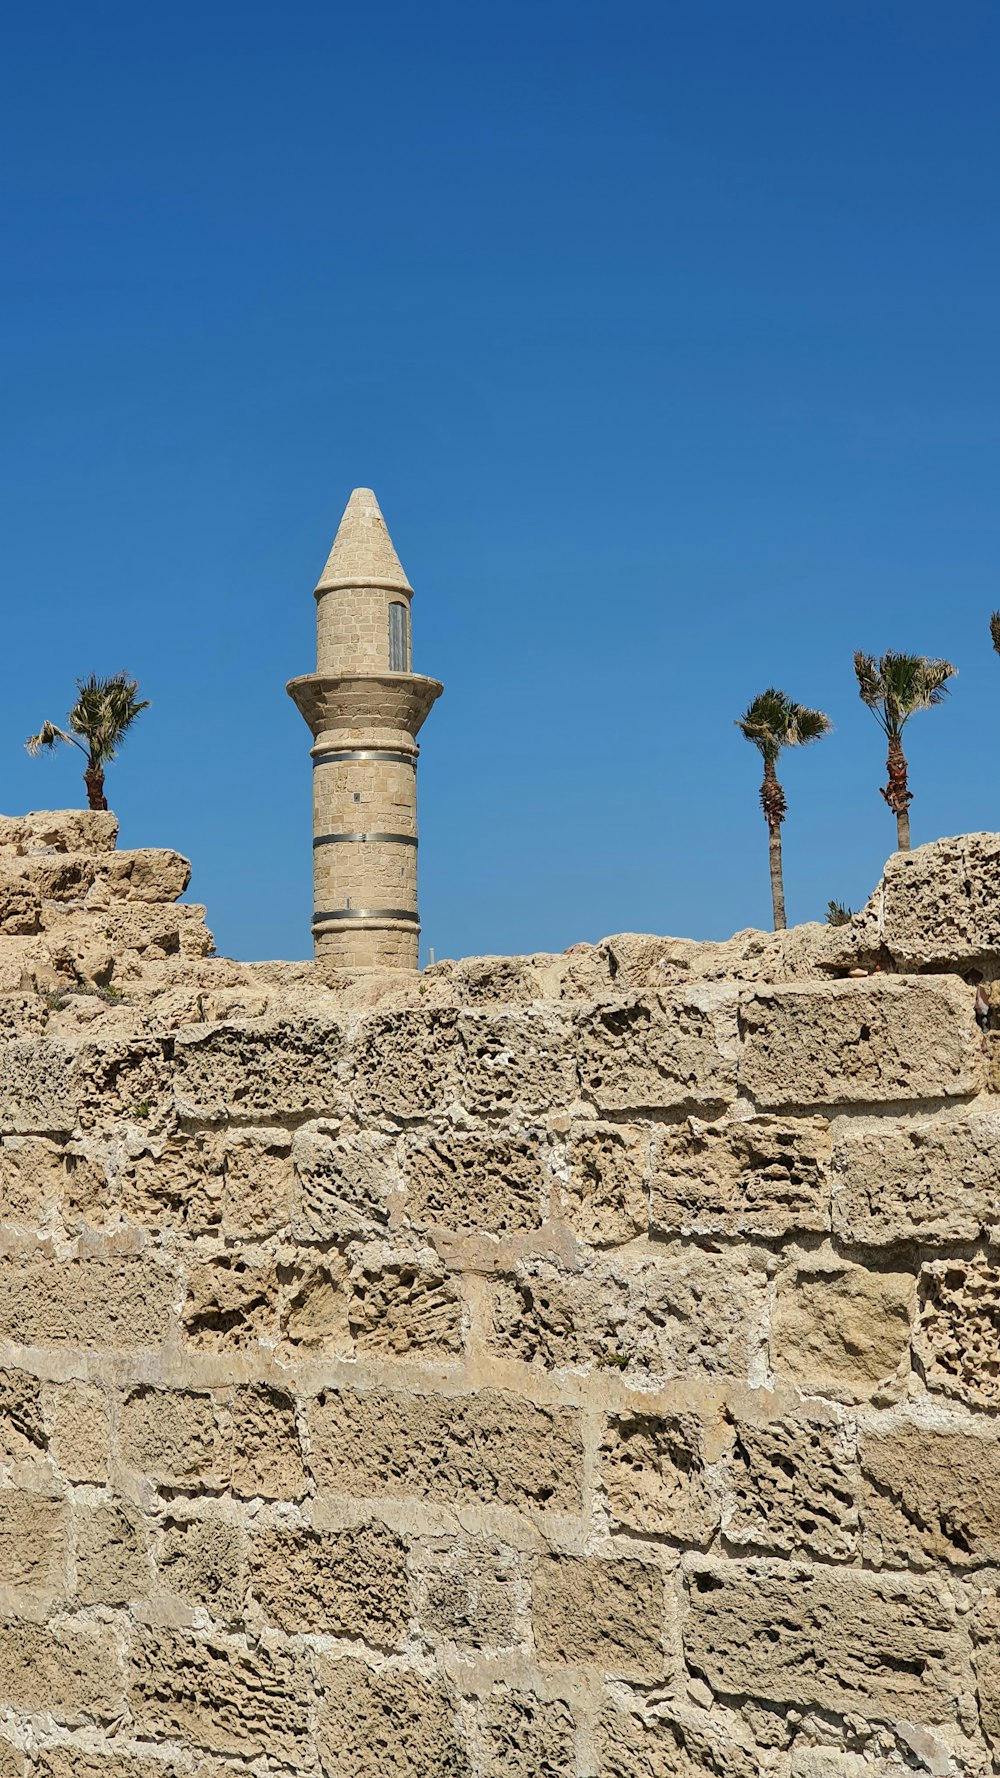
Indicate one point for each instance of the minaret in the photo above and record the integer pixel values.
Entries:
(364, 707)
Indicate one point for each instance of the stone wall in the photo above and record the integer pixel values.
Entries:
(557, 1366)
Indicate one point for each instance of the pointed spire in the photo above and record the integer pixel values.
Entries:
(362, 553)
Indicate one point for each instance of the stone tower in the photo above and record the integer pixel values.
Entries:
(364, 707)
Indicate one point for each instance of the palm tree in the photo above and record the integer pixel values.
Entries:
(772, 722)
(100, 719)
(894, 688)
(995, 630)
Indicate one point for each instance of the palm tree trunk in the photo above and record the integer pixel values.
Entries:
(897, 792)
(777, 879)
(772, 801)
(93, 778)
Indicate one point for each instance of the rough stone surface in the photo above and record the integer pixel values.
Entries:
(577, 1366)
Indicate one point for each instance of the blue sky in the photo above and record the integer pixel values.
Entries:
(665, 333)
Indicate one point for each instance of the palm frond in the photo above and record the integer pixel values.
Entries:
(104, 712)
(48, 735)
(897, 685)
(774, 721)
(995, 630)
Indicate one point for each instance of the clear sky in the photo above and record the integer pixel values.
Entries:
(667, 335)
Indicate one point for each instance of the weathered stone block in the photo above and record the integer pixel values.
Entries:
(931, 1497)
(59, 830)
(681, 1744)
(230, 1304)
(794, 1486)
(848, 1042)
(13, 1763)
(658, 1050)
(524, 1737)
(489, 1446)
(175, 1437)
(179, 1184)
(405, 1064)
(22, 1422)
(112, 1557)
(70, 1762)
(33, 1540)
(766, 1176)
(266, 1449)
(515, 1063)
(342, 1184)
(123, 1082)
(839, 1324)
(937, 905)
(256, 1184)
(654, 1474)
(123, 1303)
(492, 1185)
(38, 1087)
(374, 1723)
(467, 1592)
(258, 1073)
(69, 1673)
(31, 1173)
(692, 1313)
(588, 1611)
(338, 1583)
(986, 1636)
(403, 1308)
(935, 1179)
(314, 1315)
(203, 1562)
(825, 1638)
(220, 1696)
(604, 1195)
(957, 1343)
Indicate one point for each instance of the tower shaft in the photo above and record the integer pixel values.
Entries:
(364, 707)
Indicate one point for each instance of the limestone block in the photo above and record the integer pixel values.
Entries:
(604, 1194)
(230, 1304)
(31, 1173)
(256, 1184)
(767, 1176)
(342, 1184)
(52, 876)
(127, 1081)
(495, 981)
(22, 1422)
(937, 905)
(123, 1303)
(154, 931)
(336, 1583)
(467, 1592)
(179, 1183)
(314, 1315)
(653, 1469)
(933, 1179)
(958, 1331)
(658, 1050)
(405, 1064)
(490, 1184)
(681, 1744)
(33, 1542)
(524, 1737)
(156, 874)
(607, 1613)
(20, 905)
(489, 1446)
(404, 1308)
(793, 1485)
(112, 1557)
(219, 1695)
(986, 1636)
(176, 1437)
(61, 830)
(38, 1092)
(70, 1673)
(267, 1451)
(70, 1762)
(373, 1723)
(839, 1325)
(203, 1562)
(825, 1638)
(257, 1073)
(695, 1312)
(518, 1062)
(12, 1762)
(931, 1497)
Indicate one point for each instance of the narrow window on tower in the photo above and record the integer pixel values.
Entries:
(399, 639)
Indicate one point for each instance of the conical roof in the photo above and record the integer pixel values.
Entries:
(362, 553)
